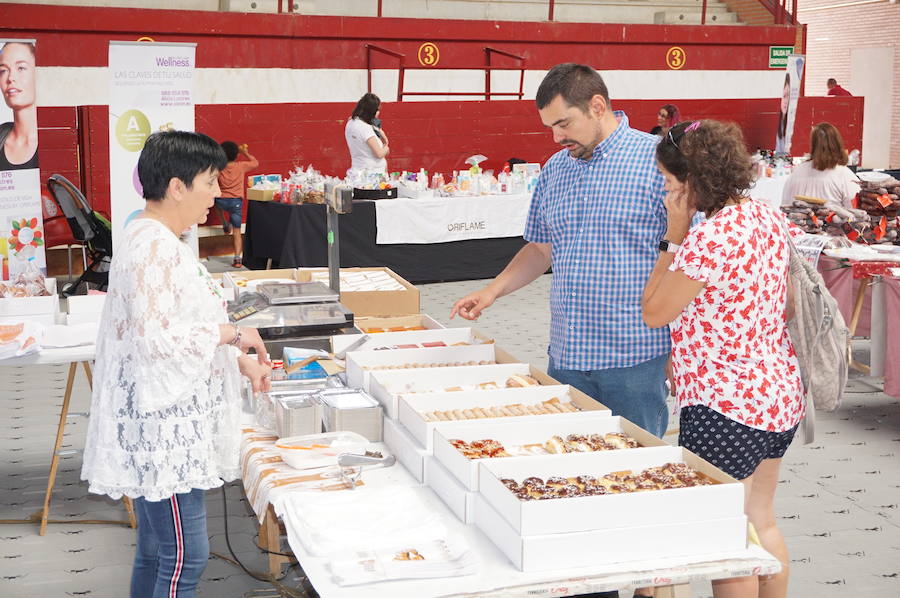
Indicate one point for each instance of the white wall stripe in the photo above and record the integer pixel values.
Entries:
(76, 86)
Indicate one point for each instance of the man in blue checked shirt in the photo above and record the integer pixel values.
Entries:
(597, 217)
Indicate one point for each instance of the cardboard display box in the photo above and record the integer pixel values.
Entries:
(447, 487)
(39, 309)
(370, 324)
(260, 194)
(522, 432)
(403, 446)
(449, 336)
(375, 303)
(413, 406)
(722, 500)
(361, 364)
(387, 386)
(714, 537)
(84, 308)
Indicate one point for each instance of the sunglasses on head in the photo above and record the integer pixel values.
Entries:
(691, 127)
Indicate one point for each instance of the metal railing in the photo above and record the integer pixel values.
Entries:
(783, 11)
(488, 93)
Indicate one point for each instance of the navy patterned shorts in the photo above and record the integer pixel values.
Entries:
(731, 446)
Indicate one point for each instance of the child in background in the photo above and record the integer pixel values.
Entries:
(232, 184)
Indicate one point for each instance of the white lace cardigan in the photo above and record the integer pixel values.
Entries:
(165, 405)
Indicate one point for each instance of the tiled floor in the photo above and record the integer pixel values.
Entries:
(838, 505)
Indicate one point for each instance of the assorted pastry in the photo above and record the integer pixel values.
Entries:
(480, 449)
(376, 329)
(664, 477)
(515, 381)
(553, 405)
(521, 381)
(425, 345)
(585, 443)
(573, 443)
(406, 366)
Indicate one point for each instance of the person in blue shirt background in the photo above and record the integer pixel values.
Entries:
(597, 217)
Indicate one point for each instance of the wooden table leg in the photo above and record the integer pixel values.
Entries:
(54, 459)
(854, 320)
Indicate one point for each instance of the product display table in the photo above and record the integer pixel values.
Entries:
(73, 356)
(289, 236)
(869, 299)
(496, 576)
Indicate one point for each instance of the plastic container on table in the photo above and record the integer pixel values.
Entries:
(319, 450)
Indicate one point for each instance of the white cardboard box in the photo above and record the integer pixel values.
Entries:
(723, 500)
(445, 485)
(47, 307)
(410, 454)
(387, 386)
(675, 538)
(393, 339)
(413, 406)
(521, 432)
(360, 364)
(81, 304)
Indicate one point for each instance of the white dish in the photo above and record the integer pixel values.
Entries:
(319, 450)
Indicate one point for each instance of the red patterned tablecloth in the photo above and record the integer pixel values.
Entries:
(842, 279)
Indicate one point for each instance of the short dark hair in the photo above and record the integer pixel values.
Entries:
(231, 150)
(576, 83)
(826, 147)
(366, 108)
(178, 155)
(711, 157)
(831, 82)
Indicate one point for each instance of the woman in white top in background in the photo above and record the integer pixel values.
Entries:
(367, 143)
(164, 421)
(825, 175)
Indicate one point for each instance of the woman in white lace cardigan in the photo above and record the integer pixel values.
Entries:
(164, 413)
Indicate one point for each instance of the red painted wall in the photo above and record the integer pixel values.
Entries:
(436, 136)
(79, 36)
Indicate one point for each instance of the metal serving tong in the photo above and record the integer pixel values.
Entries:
(352, 460)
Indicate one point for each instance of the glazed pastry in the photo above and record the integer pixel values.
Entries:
(620, 440)
(521, 381)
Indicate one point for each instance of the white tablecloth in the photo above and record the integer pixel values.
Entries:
(426, 221)
(497, 578)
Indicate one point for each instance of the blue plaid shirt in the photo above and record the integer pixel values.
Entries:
(604, 218)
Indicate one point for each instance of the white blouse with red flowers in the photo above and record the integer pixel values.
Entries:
(730, 346)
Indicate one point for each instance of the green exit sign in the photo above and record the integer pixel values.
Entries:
(778, 56)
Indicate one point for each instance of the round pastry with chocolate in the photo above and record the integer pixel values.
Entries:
(595, 490)
(532, 482)
(569, 491)
(586, 480)
(509, 483)
(557, 482)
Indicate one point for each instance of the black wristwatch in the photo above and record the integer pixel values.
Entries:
(669, 246)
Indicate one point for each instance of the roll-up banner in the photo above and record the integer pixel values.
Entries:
(790, 93)
(151, 89)
(21, 224)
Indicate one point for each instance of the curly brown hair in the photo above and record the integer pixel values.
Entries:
(711, 157)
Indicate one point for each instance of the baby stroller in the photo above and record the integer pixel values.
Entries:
(89, 227)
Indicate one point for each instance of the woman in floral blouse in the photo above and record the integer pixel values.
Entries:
(722, 286)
